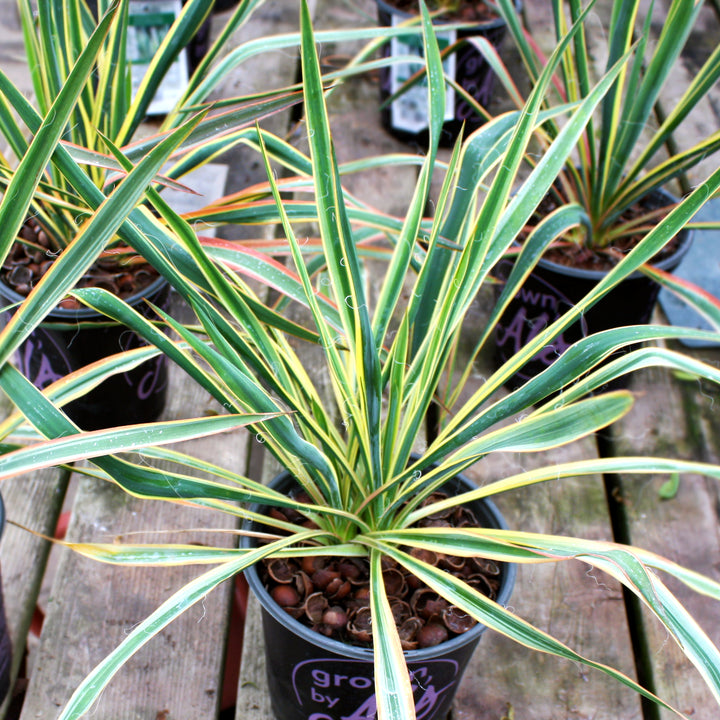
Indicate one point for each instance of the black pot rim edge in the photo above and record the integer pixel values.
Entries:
(85, 313)
(2, 515)
(487, 24)
(685, 236)
(366, 654)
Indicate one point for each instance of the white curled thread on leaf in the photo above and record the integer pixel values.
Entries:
(204, 611)
(348, 302)
(591, 574)
(337, 340)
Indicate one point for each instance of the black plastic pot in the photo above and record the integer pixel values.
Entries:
(406, 117)
(552, 289)
(312, 676)
(60, 345)
(5, 648)
(221, 6)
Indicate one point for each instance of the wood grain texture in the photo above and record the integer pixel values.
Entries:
(671, 418)
(33, 502)
(93, 606)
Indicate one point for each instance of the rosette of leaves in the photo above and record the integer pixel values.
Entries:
(628, 149)
(107, 114)
(387, 359)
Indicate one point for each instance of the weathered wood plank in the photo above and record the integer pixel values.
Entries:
(33, 502)
(676, 419)
(577, 606)
(93, 606)
(581, 608)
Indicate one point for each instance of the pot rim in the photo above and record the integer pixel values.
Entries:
(366, 654)
(685, 236)
(66, 314)
(2, 515)
(484, 25)
(668, 263)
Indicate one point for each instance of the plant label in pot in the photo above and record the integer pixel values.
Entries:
(311, 674)
(406, 117)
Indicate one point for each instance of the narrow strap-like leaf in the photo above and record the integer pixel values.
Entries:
(341, 253)
(501, 620)
(85, 248)
(18, 196)
(88, 691)
(393, 691)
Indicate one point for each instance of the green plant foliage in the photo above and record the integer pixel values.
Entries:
(388, 358)
(108, 112)
(619, 159)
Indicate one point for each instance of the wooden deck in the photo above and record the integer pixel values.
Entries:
(181, 674)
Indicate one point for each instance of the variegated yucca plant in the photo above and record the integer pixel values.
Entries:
(109, 112)
(387, 358)
(629, 148)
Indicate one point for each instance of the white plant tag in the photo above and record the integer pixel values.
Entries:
(148, 23)
(409, 111)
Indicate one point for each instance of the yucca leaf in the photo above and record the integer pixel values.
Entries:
(106, 442)
(137, 480)
(111, 105)
(537, 432)
(679, 21)
(186, 25)
(473, 418)
(26, 178)
(84, 697)
(695, 296)
(392, 682)
(639, 359)
(79, 382)
(500, 619)
(274, 43)
(341, 254)
(85, 248)
(240, 15)
(405, 243)
(698, 88)
(594, 467)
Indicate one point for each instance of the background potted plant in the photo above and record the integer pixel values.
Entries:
(387, 356)
(470, 42)
(109, 113)
(104, 116)
(613, 189)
